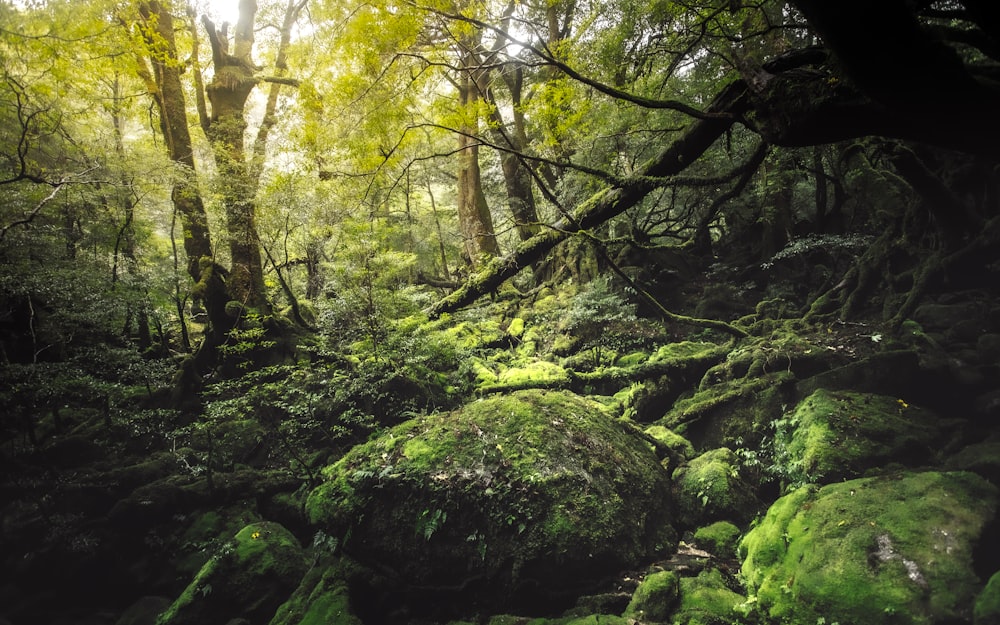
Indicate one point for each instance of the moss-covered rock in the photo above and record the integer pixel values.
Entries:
(708, 600)
(982, 457)
(730, 412)
(833, 435)
(891, 549)
(249, 578)
(655, 597)
(532, 491)
(709, 488)
(680, 447)
(322, 598)
(987, 609)
(719, 538)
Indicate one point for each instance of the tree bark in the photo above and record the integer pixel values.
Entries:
(164, 83)
(228, 91)
(516, 176)
(475, 220)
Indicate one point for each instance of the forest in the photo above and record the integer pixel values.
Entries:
(497, 312)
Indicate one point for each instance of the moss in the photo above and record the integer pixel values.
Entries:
(655, 597)
(516, 327)
(590, 619)
(676, 443)
(987, 609)
(255, 571)
(598, 619)
(632, 359)
(836, 435)
(719, 538)
(709, 488)
(538, 372)
(982, 458)
(729, 410)
(474, 335)
(539, 483)
(321, 599)
(708, 600)
(899, 544)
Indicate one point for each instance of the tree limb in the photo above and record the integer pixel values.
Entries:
(727, 106)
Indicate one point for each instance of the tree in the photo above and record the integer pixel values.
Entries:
(863, 84)
(473, 210)
(159, 67)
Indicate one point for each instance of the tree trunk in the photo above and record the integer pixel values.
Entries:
(729, 104)
(165, 85)
(516, 176)
(474, 216)
(231, 85)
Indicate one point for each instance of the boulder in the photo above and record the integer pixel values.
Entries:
(709, 488)
(247, 579)
(719, 539)
(868, 551)
(516, 500)
(987, 609)
(655, 598)
(708, 599)
(323, 597)
(836, 435)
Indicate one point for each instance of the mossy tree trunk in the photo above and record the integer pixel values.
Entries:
(232, 82)
(161, 75)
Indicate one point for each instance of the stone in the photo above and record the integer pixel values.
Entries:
(247, 579)
(512, 499)
(895, 548)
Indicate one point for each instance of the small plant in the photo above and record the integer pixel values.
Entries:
(429, 522)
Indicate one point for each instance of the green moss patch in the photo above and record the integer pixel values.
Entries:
(832, 435)
(531, 488)
(987, 609)
(321, 599)
(655, 597)
(708, 600)
(719, 538)
(891, 549)
(709, 488)
(249, 577)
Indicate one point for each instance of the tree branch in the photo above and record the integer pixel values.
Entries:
(727, 106)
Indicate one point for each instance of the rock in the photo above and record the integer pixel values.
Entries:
(867, 550)
(678, 446)
(898, 372)
(144, 611)
(709, 488)
(248, 579)
(322, 597)
(988, 346)
(719, 538)
(982, 457)
(655, 597)
(708, 600)
(836, 435)
(987, 609)
(945, 316)
(519, 500)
